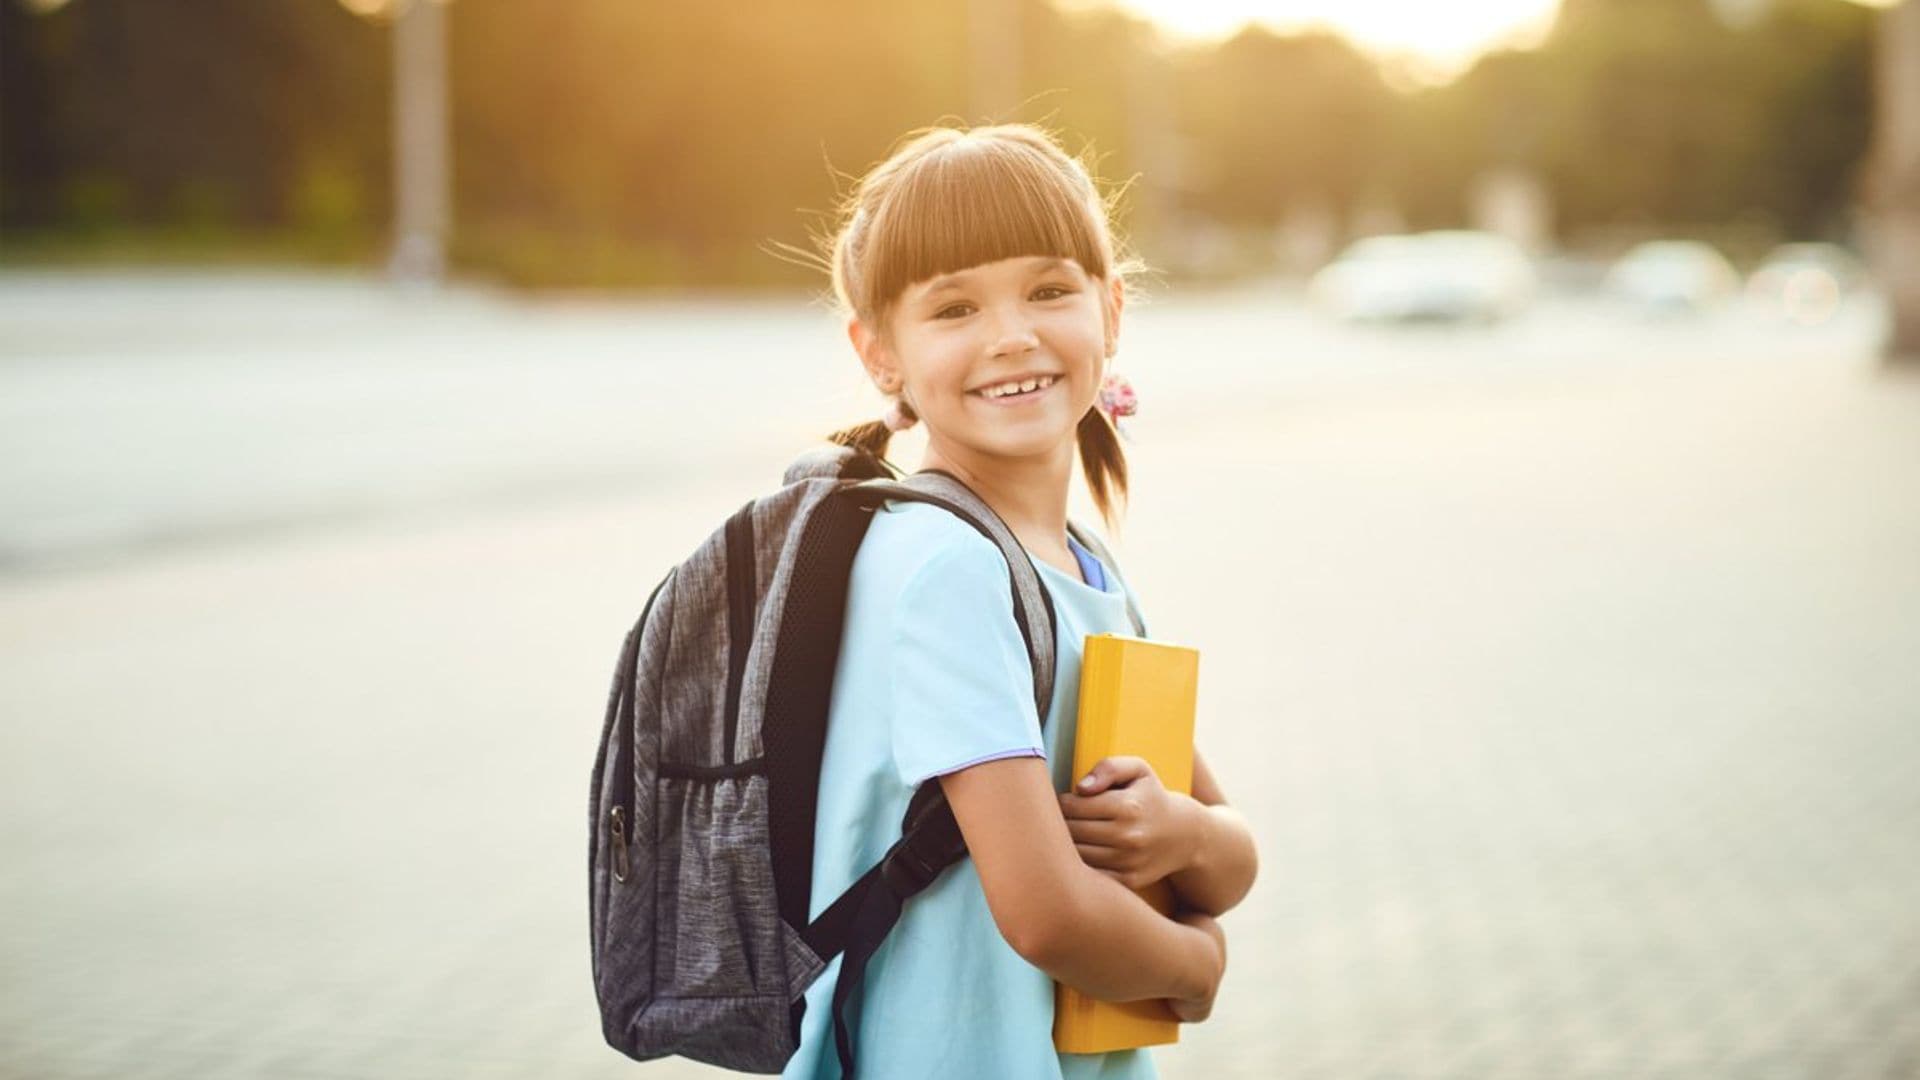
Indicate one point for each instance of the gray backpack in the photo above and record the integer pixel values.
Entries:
(703, 791)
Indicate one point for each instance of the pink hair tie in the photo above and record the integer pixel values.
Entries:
(1117, 399)
(898, 417)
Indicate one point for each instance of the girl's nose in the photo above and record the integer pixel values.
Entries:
(1013, 335)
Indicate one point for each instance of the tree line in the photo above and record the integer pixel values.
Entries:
(608, 142)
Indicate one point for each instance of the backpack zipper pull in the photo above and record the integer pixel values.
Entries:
(618, 828)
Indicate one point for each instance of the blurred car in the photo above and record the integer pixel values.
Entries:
(1673, 276)
(1453, 275)
(1804, 283)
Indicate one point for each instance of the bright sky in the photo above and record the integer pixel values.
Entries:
(1435, 39)
(1446, 34)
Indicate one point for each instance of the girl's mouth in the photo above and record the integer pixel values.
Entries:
(1018, 397)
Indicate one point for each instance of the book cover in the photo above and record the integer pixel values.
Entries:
(1137, 699)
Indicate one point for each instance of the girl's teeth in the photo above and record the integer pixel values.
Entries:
(1022, 388)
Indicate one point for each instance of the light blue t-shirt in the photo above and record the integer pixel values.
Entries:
(933, 677)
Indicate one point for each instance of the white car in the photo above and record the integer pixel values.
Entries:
(1669, 276)
(1453, 275)
(1804, 283)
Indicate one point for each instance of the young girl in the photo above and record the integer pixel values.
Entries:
(979, 275)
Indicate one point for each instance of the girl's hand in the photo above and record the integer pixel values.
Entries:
(1194, 1010)
(1128, 826)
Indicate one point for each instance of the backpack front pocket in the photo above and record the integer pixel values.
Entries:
(717, 927)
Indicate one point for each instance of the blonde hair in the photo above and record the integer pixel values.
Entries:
(949, 198)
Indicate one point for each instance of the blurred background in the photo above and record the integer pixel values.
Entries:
(1529, 440)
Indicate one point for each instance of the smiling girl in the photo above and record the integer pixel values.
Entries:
(983, 294)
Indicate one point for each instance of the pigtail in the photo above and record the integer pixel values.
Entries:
(1104, 463)
(871, 437)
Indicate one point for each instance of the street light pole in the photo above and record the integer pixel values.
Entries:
(1896, 177)
(421, 188)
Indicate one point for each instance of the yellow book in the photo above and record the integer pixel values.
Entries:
(1136, 699)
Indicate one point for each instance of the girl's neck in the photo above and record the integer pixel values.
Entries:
(1029, 494)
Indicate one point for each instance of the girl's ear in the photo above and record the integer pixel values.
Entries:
(874, 355)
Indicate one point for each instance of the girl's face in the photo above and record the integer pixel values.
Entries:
(959, 341)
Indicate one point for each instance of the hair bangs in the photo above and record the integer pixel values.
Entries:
(976, 202)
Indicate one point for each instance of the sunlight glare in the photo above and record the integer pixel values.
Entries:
(1445, 35)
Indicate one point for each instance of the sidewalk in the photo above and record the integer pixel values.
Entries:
(1575, 716)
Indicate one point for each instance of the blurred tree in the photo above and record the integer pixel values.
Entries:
(695, 132)
(1278, 122)
(607, 142)
(202, 108)
(1813, 61)
(1075, 76)
(1658, 113)
(1442, 138)
(1648, 111)
(29, 162)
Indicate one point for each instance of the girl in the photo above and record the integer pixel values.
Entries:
(979, 276)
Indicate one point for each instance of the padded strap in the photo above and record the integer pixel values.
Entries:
(930, 841)
(854, 925)
(879, 910)
(860, 920)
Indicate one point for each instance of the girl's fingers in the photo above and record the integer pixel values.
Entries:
(1112, 772)
(1116, 863)
(1104, 833)
(1104, 806)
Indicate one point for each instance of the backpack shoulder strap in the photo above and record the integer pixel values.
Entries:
(855, 924)
(1092, 543)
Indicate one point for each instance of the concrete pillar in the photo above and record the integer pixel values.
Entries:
(421, 168)
(1513, 203)
(1895, 182)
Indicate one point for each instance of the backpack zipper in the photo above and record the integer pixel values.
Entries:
(626, 687)
(620, 865)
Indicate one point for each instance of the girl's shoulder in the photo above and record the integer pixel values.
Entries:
(911, 545)
(925, 529)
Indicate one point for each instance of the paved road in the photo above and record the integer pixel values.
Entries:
(1572, 697)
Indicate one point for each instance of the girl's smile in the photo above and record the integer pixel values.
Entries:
(1018, 391)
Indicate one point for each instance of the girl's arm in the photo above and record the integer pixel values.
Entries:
(1224, 859)
(1078, 925)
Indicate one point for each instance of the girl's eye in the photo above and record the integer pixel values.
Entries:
(954, 311)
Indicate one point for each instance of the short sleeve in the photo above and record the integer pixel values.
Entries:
(962, 683)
